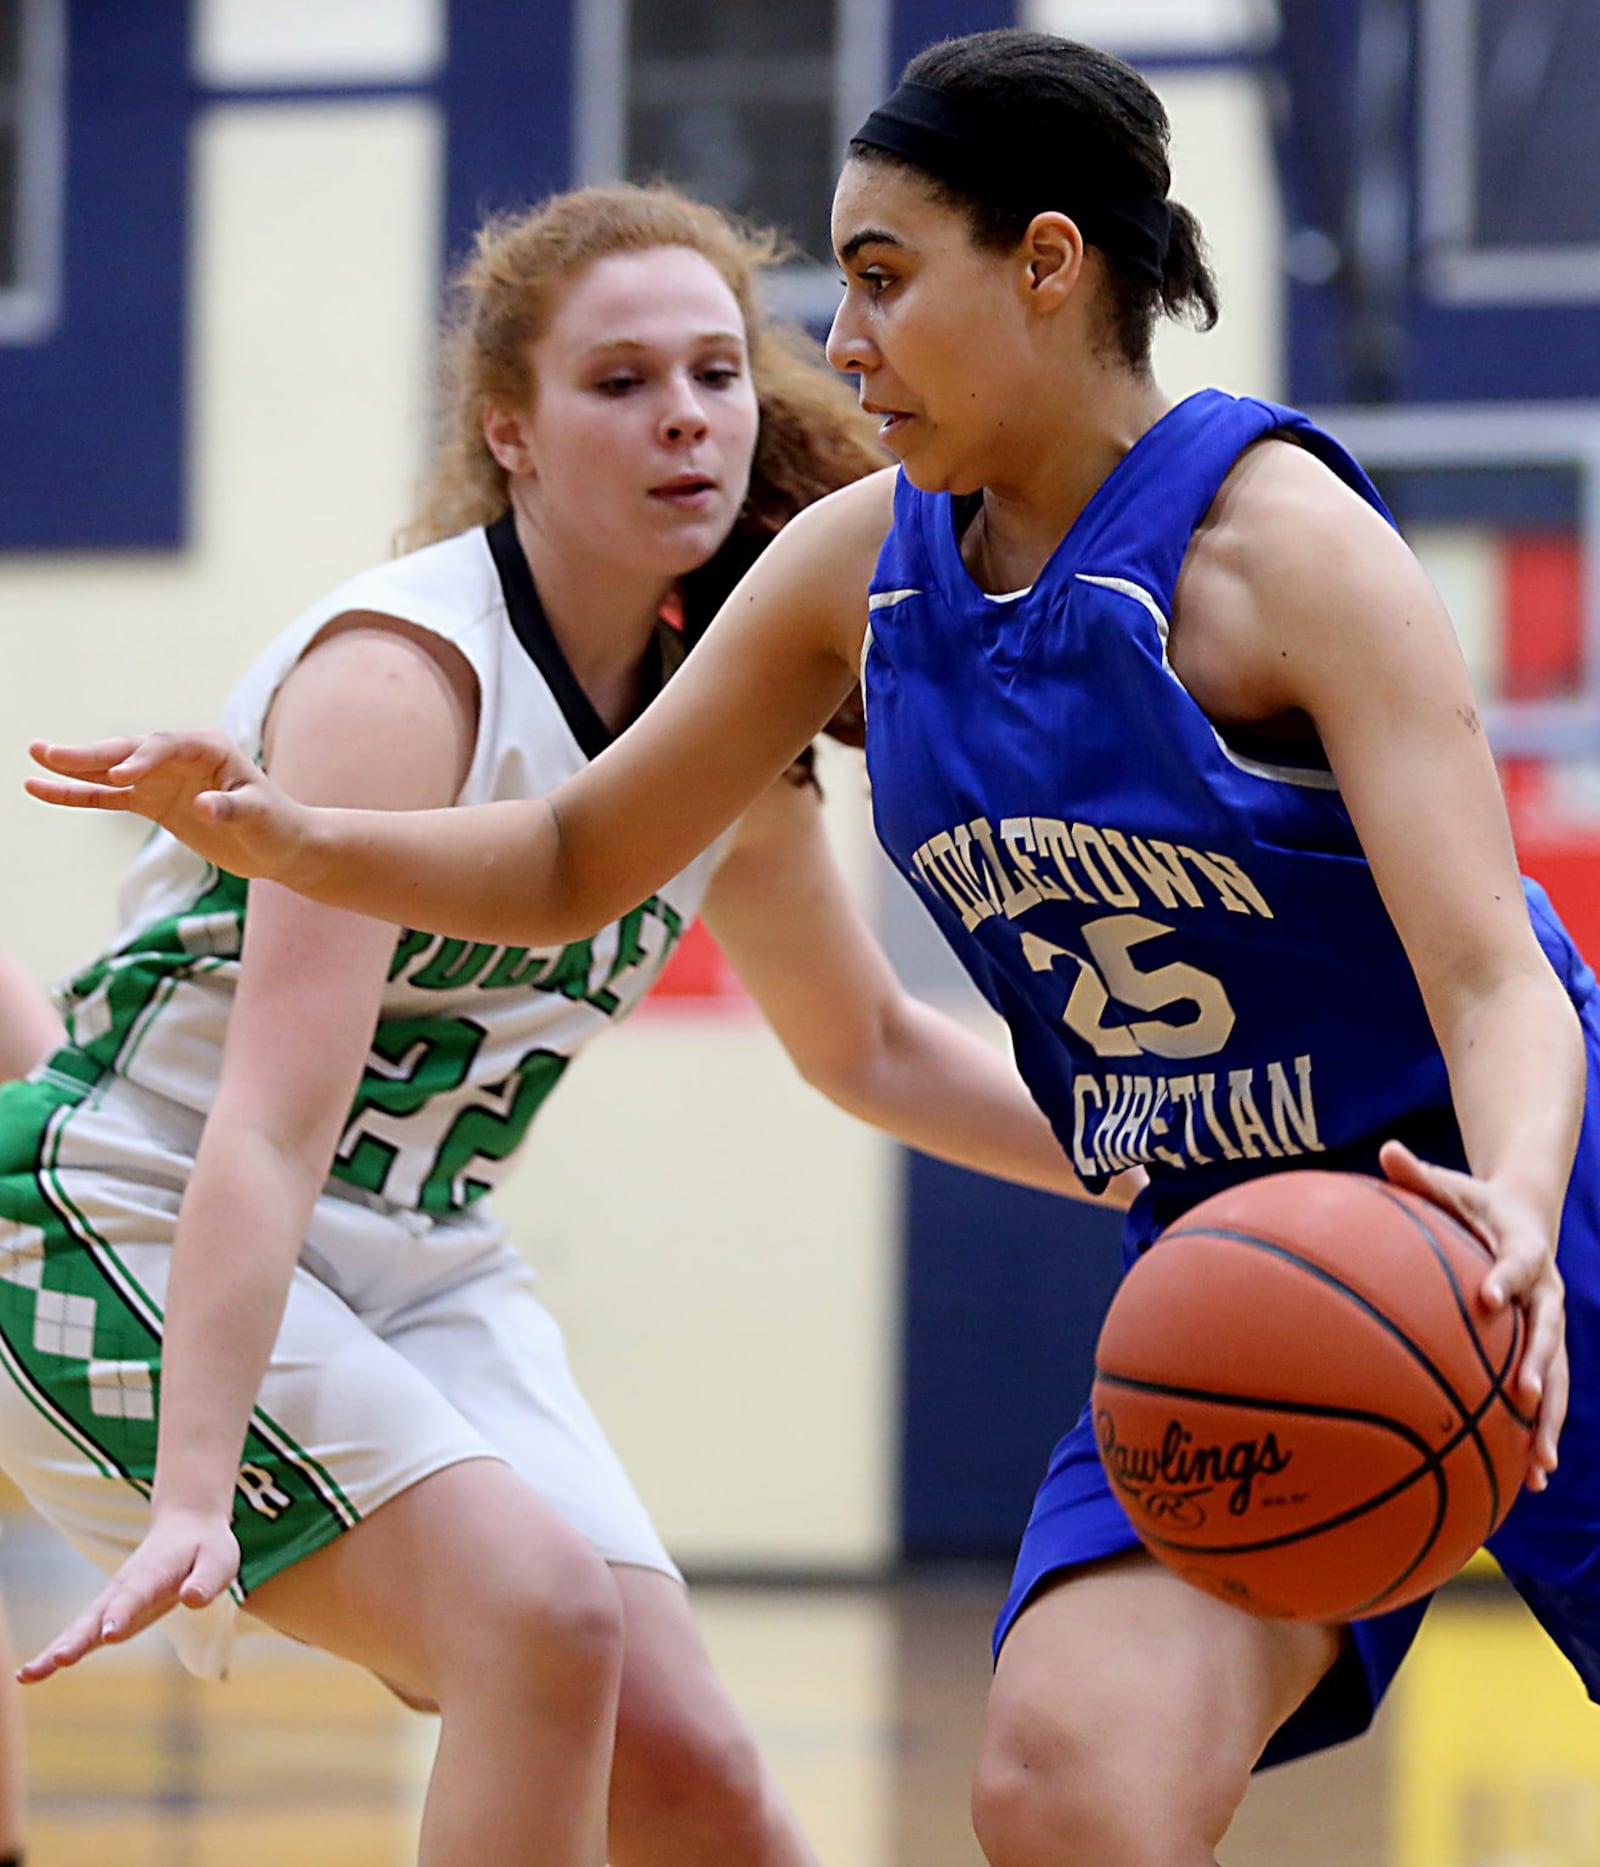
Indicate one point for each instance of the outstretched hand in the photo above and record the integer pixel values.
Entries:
(196, 784)
(1524, 1271)
(185, 1560)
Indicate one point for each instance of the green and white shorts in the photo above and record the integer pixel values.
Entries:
(407, 1345)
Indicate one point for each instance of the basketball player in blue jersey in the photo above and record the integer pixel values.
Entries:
(1170, 732)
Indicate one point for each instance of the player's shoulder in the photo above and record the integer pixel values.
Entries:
(815, 575)
(1292, 573)
(854, 519)
(1282, 514)
(394, 635)
(447, 588)
(443, 587)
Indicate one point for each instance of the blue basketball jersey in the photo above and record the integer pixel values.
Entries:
(1186, 941)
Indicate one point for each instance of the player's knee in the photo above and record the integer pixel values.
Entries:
(554, 1624)
(679, 1766)
(1052, 1786)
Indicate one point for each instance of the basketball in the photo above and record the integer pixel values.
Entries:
(1302, 1405)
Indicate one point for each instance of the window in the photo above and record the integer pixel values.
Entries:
(747, 106)
(1512, 141)
(32, 63)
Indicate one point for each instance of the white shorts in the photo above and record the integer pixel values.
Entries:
(407, 1345)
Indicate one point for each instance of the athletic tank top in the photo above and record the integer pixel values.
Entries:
(1186, 942)
(471, 1037)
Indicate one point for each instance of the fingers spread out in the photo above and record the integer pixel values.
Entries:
(82, 761)
(196, 752)
(77, 796)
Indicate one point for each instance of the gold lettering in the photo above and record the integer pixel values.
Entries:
(1135, 1128)
(1159, 1126)
(938, 857)
(1157, 865)
(1247, 1117)
(1101, 867)
(980, 879)
(1242, 882)
(1017, 835)
(1219, 879)
(1208, 1084)
(1287, 1111)
(1015, 898)
(1083, 1088)
(1183, 1090)
(1052, 838)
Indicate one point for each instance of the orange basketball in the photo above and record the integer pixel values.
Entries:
(1301, 1403)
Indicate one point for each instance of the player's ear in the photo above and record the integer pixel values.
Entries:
(1052, 260)
(506, 436)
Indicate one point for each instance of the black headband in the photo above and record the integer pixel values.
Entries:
(977, 147)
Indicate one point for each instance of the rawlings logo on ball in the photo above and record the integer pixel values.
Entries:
(1169, 1479)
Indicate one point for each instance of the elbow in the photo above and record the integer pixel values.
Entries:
(830, 1073)
(850, 1067)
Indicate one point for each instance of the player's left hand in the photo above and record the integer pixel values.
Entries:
(1524, 1271)
(186, 1560)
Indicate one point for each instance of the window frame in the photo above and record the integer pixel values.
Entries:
(30, 308)
(1458, 270)
(808, 293)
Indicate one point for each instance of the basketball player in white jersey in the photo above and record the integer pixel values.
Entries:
(29, 1028)
(250, 1182)
(29, 1031)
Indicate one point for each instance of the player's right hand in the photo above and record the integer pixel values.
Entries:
(186, 1559)
(198, 785)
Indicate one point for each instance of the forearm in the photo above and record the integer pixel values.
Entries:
(239, 1233)
(945, 1091)
(1517, 1077)
(489, 872)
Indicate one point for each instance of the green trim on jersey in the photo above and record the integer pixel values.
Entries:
(417, 1067)
(81, 1337)
(112, 1004)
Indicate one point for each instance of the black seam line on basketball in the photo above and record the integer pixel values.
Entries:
(1275, 1248)
(1350, 1516)
(1318, 1410)
(1388, 1591)
(1428, 1468)
(1431, 1464)
(1314, 1409)
(1497, 1379)
(1270, 1247)
(1463, 1308)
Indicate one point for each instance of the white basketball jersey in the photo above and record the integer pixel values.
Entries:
(471, 1037)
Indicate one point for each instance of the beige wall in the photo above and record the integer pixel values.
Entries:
(312, 262)
(1222, 170)
(719, 1242)
(721, 1245)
